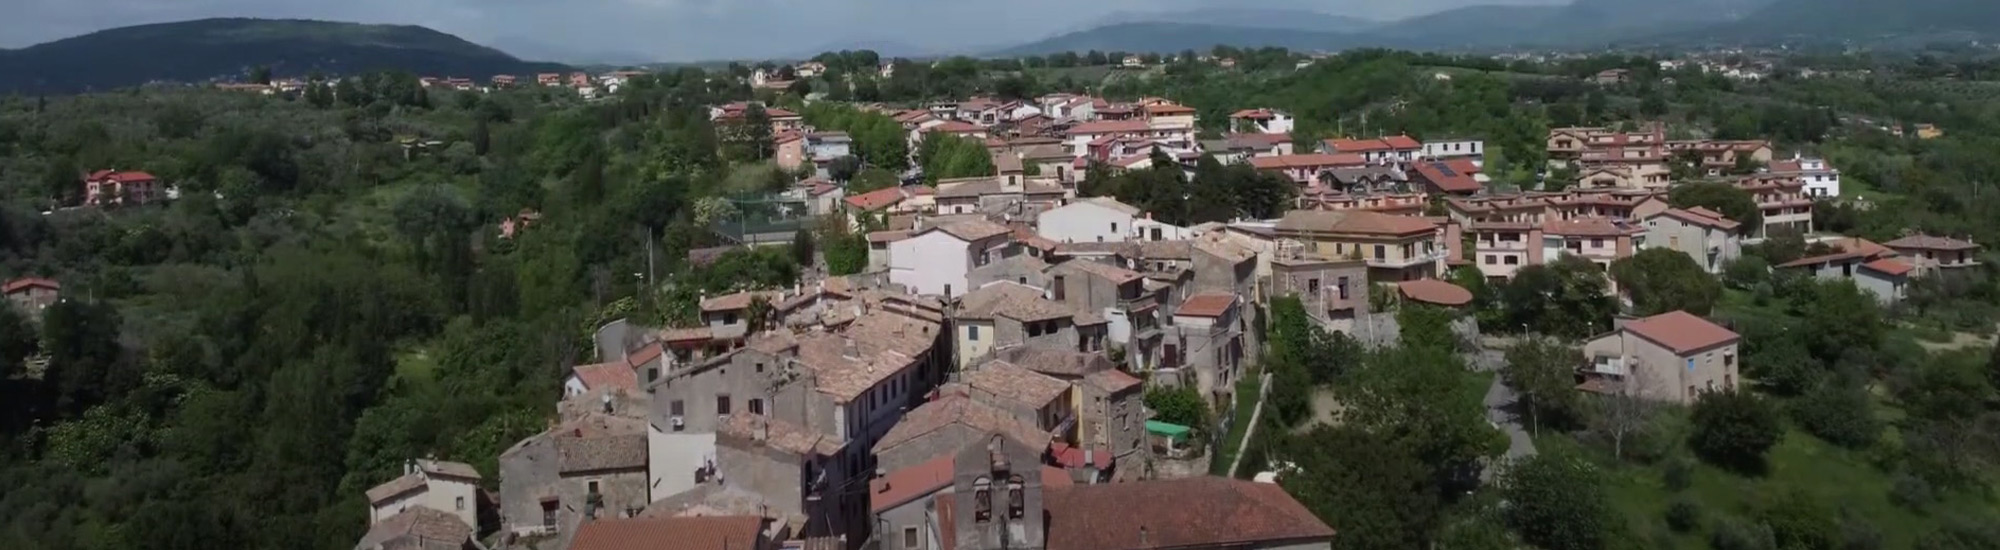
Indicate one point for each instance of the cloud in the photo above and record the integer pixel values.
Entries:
(672, 29)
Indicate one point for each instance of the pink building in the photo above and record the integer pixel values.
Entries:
(114, 187)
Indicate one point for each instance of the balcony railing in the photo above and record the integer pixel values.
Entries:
(1415, 259)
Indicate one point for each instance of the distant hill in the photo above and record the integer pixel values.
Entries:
(1856, 20)
(1245, 17)
(1175, 37)
(193, 51)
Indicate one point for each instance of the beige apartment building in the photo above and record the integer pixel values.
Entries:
(1673, 357)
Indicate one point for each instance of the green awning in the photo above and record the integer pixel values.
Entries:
(1171, 431)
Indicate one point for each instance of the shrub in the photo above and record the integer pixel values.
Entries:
(1683, 516)
(1912, 492)
(1742, 535)
(1678, 475)
(1840, 413)
(1733, 430)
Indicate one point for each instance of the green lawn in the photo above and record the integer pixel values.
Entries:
(1232, 443)
(415, 365)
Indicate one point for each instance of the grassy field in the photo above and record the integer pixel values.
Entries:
(1232, 443)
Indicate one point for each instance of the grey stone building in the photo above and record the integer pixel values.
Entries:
(1023, 269)
(949, 422)
(904, 501)
(797, 471)
(1007, 314)
(594, 466)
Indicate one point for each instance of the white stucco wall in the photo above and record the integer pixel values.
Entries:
(1084, 222)
(927, 263)
(672, 458)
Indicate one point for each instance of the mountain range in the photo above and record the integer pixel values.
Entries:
(200, 50)
(1580, 24)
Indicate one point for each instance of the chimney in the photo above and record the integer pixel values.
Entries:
(607, 402)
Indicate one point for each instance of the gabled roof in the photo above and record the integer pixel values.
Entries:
(613, 375)
(1354, 221)
(1447, 178)
(1842, 256)
(1112, 380)
(1931, 242)
(913, 483)
(671, 533)
(1117, 275)
(777, 434)
(1681, 332)
(1012, 382)
(1691, 216)
(417, 527)
(597, 442)
(418, 479)
(1591, 227)
(1314, 160)
(954, 407)
(25, 283)
(955, 127)
(1011, 300)
(973, 230)
(1200, 512)
(1207, 304)
(877, 199)
(1889, 266)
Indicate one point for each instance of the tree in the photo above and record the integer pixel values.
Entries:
(754, 132)
(62, 180)
(17, 341)
(1733, 430)
(1840, 319)
(260, 74)
(482, 137)
(1419, 395)
(1660, 280)
(1746, 272)
(844, 168)
(1556, 500)
(1564, 298)
(1543, 372)
(1371, 484)
(802, 247)
(1179, 405)
(1731, 201)
(870, 179)
(1839, 412)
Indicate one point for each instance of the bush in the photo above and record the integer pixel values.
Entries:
(1857, 533)
(1840, 413)
(1678, 475)
(1742, 535)
(1683, 516)
(1733, 430)
(1912, 492)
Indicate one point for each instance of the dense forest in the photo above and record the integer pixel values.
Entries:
(330, 295)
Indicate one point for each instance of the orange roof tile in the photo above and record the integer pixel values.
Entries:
(1210, 304)
(1889, 266)
(1434, 291)
(1681, 332)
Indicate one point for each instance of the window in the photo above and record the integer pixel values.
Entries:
(1156, 233)
(549, 513)
(729, 319)
(1673, 241)
(652, 374)
(1380, 252)
(757, 407)
(593, 487)
(1021, 280)
(982, 500)
(1491, 259)
(1512, 259)
(721, 404)
(1114, 227)
(1343, 288)
(1017, 504)
(972, 333)
(1312, 285)
(909, 537)
(461, 503)
(1057, 284)
(677, 407)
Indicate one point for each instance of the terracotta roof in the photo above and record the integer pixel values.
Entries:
(1163, 250)
(1681, 331)
(1254, 114)
(1057, 362)
(1930, 242)
(882, 344)
(915, 482)
(1447, 178)
(954, 407)
(120, 177)
(1027, 237)
(1112, 380)
(1402, 142)
(1209, 304)
(673, 533)
(888, 236)
(1011, 300)
(1696, 218)
(417, 527)
(1591, 227)
(1889, 266)
(1168, 109)
(1109, 126)
(778, 434)
(613, 375)
(1219, 245)
(1703, 210)
(1862, 246)
(598, 442)
(955, 127)
(1354, 221)
(1200, 512)
(1117, 275)
(877, 199)
(734, 301)
(25, 283)
(1434, 291)
(974, 230)
(1311, 160)
(1012, 382)
(694, 334)
(1842, 256)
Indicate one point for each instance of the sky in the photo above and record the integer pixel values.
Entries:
(675, 30)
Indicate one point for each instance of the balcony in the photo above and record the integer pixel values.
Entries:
(1517, 245)
(1610, 365)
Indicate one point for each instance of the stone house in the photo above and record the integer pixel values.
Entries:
(418, 528)
(1335, 292)
(1120, 295)
(1397, 248)
(1671, 357)
(1205, 346)
(1885, 276)
(690, 401)
(951, 421)
(733, 532)
(449, 487)
(1006, 314)
(1200, 512)
(1023, 393)
(1929, 253)
(1024, 269)
(901, 501)
(589, 468)
(798, 471)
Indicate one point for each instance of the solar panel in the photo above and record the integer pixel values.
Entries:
(1445, 169)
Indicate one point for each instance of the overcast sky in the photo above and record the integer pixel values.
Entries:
(672, 29)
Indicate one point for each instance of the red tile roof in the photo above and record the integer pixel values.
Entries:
(1402, 142)
(1109, 126)
(616, 375)
(1202, 512)
(25, 283)
(1354, 221)
(1072, 457)
(676, 533)
(910, 484)
(1842, 256)
(120, 177)
(1434, 291)
(1591, 227)
(1168, 109)
(1254, 114)
(1447, 178)
(1889, 266)
(1212, 304)
(1681, 332)
(877, 199)
(1695, 216)
(1307, 161)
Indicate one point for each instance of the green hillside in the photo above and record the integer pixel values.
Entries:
(218, 48)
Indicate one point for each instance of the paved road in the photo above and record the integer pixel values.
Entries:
(1498, 398)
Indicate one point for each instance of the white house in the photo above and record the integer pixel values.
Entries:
(1146, 229)
(1092, 220)
(1261, 121)
(449, 487)
(936, 260)
(1454, 148)
(1822, 180)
